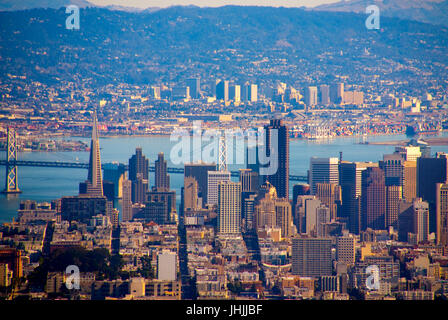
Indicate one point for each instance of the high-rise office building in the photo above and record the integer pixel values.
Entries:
(190, 194)
(139, 188)
(300, 212)
(126, 201)
(222, 90)
(283, 217)
(408, 153)
(94, 183)
(323, 170)
(373, 199)
(442, 213)
(300, 190)
(325, 94)
(248, 200)
(235, 93)
(264, 210)
(139, 176)
(199, 171)
(331, 195)
(337, 93)
(280, 179)
(421, 220)
(249, 180)
(138, 166)
(115, 173)
(405, 220)
(229, 207)
(431, 171)
(316, 214)
(393, 199)
(195, 87)
(213, 180)
(161, 176)
(311, 257)
(393, 167)
(350, 179)
(160, 206)
(252, 93)
(297, 191)
(345, 249)
(249, 92)
(311, 96)
(410, 180)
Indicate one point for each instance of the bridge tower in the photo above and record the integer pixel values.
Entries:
(11, 185)
(222, 153)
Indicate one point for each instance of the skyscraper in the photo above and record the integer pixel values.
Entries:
(311, 96)
(373, 199)
(248, 210)
(280, 179)
(252, 91)
(161, 176)
(421, 220)
(213, 180)
(350, 179)
(431, 171)
(249, 180)
(405, 220)
(442, 213)
(323, 170)
(311, 257)
(138, 165)
(410, 180)
(408, 153)
(264, 210)
(283, 216)
(337, 93)
(199, 172)
(393, 168)
(139, 176)
(325, 94)
(222, 90)
(139, 188)
(127, 200)
(195, 87)
(330, 194)
(115, 173)
(94, 183)
(235, 93)
(345, 249)
(190, 194)
(393, 199)
(229, 207)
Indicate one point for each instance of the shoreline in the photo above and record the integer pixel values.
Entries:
(432, 140)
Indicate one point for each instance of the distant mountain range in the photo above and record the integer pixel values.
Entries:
(428, 11)
(260, 44)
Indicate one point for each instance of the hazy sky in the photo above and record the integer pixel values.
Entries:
(211, 3)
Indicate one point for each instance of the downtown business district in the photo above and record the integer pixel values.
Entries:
(357, 230)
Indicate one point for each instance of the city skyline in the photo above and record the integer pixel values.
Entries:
(223, 155)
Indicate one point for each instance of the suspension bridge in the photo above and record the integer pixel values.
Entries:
(11, 162)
